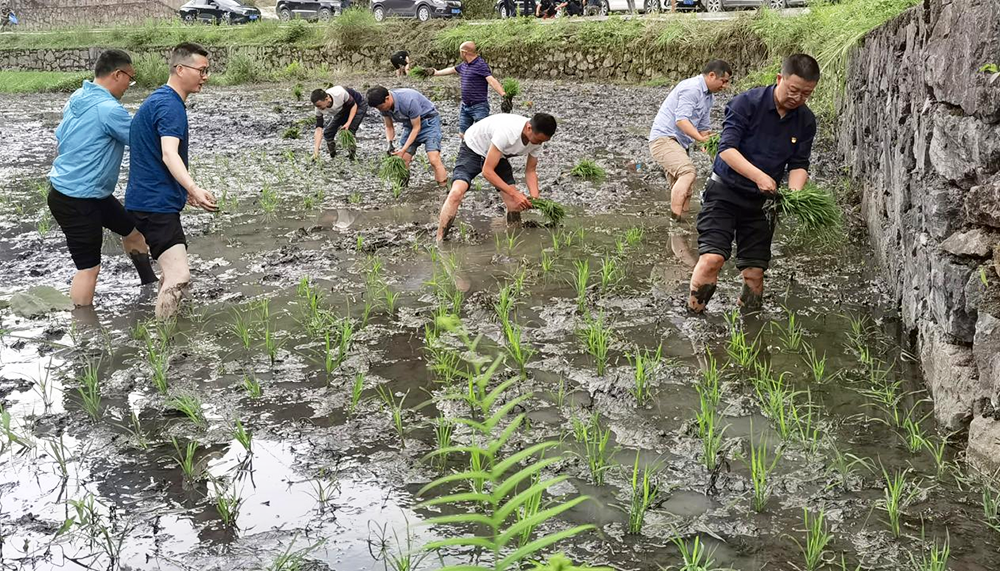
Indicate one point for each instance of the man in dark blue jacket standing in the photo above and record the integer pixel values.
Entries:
(767, 132)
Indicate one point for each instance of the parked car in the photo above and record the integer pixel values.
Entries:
(422, 10)
(311, 10)
(218, 12)
(720, 5)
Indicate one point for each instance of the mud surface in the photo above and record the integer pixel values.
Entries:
(336, 483)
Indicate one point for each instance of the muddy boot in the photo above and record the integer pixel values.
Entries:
(749, 300)
(331, 146)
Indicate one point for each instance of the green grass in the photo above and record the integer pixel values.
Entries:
(41, 81)
(814, 208)
(550, 209)
(588, 170)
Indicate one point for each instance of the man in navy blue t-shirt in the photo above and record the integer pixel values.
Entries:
(475, 76)
(159, 184)
(767, 132)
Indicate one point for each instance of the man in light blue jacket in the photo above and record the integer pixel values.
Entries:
(92, 138)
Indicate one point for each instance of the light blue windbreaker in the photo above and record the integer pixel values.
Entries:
(92, 139)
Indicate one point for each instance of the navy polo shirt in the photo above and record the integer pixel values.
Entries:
(151, 187)
(772, 143)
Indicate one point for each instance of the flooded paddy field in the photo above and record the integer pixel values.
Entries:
(289, 418)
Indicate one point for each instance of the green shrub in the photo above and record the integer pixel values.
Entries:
(293, 32)
(353, 28)
(151, 69)
(292, 132)
(244, 68)
(41, 81)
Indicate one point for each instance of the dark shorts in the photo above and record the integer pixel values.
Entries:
(340, 119)
(83, 221)
(726, 215)
(469, 165)
(162, 230)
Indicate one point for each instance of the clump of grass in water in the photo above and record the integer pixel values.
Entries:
(934, 560)
(818, 536)
(185, 459)
(709, 430)
(580, 279)
(292, 132)
(189, 406)
(396, 409)
(227, 503)
(595, 441)
(597, 338)
(252, 385)
(817, 365)
(898, 495)
(550, 209)
(297, 92)
(517, 349)
(242, 435)
(645, 364)
(694, 556)
(643, 493)
(588, 170)
(760, 472)
(90, 390)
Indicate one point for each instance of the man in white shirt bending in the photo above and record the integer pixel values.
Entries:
(486, 147)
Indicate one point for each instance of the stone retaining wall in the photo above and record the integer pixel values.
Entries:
(42, 14)
(920, 132)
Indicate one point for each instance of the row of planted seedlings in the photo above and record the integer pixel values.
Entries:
(796, 420)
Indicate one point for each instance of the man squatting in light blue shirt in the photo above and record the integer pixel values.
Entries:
(683, 118)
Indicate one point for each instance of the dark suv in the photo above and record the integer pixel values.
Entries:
(422, 10)
(311, 10)
(218, 12)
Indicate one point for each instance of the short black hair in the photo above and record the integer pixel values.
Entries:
(318, 95)
(802, 65)
(110, 61)
(398, 59)
(183, 52)
(377, 96)
(543, 123)
(718, 67)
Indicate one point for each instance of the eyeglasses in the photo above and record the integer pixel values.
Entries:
(131, 79)
(202, 70)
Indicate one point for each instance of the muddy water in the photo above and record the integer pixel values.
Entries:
(337, 484)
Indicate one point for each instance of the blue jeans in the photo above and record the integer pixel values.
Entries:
(429, 135)
(469, 114)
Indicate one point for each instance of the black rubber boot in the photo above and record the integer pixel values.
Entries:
(143, 267)
(331, 145)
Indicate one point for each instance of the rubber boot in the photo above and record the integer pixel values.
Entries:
(331, 145)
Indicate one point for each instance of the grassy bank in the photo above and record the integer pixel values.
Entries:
(754, 41)
(40, 81)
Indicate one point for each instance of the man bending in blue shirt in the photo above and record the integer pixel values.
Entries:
(92, 138)
(767, 132)
(475, 76)
(159, 184)
(683, 119)
(421, 125)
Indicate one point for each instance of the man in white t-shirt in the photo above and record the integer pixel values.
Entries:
(486, 147)
(337, 108)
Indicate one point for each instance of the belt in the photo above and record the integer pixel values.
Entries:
(717, 178)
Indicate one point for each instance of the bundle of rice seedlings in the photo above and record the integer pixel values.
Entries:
(421, 72)
(550, 209)
(292, 132)
(511, 89)
(588, 170)
(394, 171)
(347, 140)
(815, 208)
(711, 146)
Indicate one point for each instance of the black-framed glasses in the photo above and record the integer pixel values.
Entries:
(202, 70)
(131, 79)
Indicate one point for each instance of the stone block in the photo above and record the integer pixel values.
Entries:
(983, 451)
(975, 243)
(951, 376)
(982, 202)
(986, 350)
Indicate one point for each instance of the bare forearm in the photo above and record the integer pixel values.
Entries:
(493, 178)
(177, 170)
(412, 138)
(797, 179)
(688, 129)
(350, 117)
(445, 71)
(317, 138)
(390, 133)
(492, 81)
(531, 180)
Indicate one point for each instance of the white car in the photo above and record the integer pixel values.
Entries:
(646, 6)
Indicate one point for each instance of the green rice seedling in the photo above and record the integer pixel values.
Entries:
(634, 235)
(803, 419)
(844, 464)
(791, 333)
(43, 225)
(645, 363)
(914, 437)
(420, 72)
(293, 560)
(761, 468)
(710, 375)
(60, 455)
(742, 352)
(268, 200)
(814, 550)
(938, 452)
(711, 146)
(550, 209)
(185, 459)
(107, 532)
(580, 279)
(611, 274)
(324, 485)
(505, 302)
(347, 140)
(293, 132)
(271, 344)
(936, 559)
(354, 198)
(356, 389)
(777, 401)
(443, 428)
(227, 503)
(817, 365)
(588, 170)
(709, 432)
(694, 555)
(394, 171)
(242, 327)
(518, 350)
(243, 436)
(991, 504)
(158, 357)
(899, 494)
(547, 263)
(813, 207)
(511, 87)
(595, 442)
(297, 91)
(528, 511)
(390, 298)
(643, 493)
(11, 436)
(396, 409)
(559, 396)
(507, 242)
(190, 406)
(252, 385)
(90, 390)
(404, 557)
(597, 339)
(139, 436)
